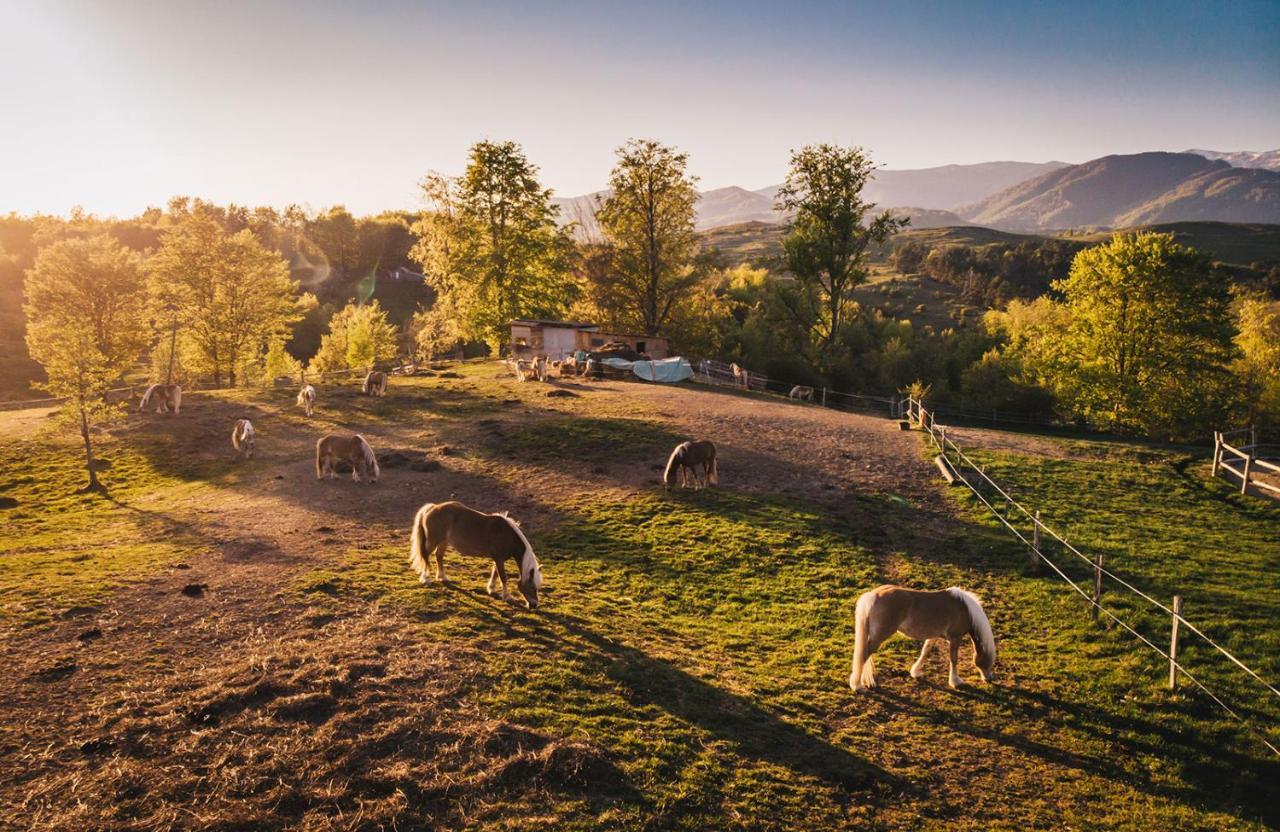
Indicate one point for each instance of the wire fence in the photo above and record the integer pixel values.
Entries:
(731, 375)
(960, 468)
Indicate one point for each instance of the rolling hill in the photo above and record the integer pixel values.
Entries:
(1139, 189)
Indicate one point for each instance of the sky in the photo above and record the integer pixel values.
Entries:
(115, 106)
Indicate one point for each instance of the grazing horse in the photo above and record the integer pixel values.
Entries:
(242, 438)
(801, 393)
(439, 526)
(307, 399)
(375, 383)
(353, 449)
(167, 398)
(685, 461)
(949, 614)
(741, 376)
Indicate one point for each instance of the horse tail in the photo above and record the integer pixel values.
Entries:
(320, 457)
(714, 474)
(146, 397)
(235, 436)
(981, 627)
(861, 615)
(177, 398)
(418, 542)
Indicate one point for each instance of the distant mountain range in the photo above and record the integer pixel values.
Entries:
(1139, 189)
(1028, 196)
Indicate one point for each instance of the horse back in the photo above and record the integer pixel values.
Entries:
(472, 532)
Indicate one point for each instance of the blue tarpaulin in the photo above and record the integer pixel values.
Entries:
(668, 370)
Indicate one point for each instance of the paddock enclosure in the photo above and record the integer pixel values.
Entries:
(226, 646)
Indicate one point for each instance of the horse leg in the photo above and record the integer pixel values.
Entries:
(493, 578)
(502, 578)
(954, 679)
(440, 576)
(917, 669)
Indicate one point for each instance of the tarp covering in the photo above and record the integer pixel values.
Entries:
(668, 370)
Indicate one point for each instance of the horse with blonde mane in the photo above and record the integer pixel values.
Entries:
(307, 399)
(801, 392)
(242, 439)
(741, 376)
(439, 526)
(375, 383)
(332, 449)
(687, 461)
(950, 614)
(167, 398)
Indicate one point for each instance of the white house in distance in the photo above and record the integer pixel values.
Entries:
(530, 337)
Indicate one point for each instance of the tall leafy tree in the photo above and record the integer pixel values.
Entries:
(648, 224)
(359, 337)
(86, 324)
(227, 296)
(1149, 335)
(491, 243)
(830, 230)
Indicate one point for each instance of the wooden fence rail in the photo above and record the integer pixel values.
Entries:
(1243, 461)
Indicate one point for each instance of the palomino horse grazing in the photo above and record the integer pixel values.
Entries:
(741, 376)
(439, 526)
(242, 438)
(353, 449)
(949, 614)
(685, 461)
(375, 383)
(801, 393)
(167, 398)
(307, 399)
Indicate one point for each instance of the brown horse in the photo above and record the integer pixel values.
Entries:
(685, 462)
(375, 383)
(353, 449)
(950, 614)
(439, 526)
(242, 438)
(167, 398)
(741, 376)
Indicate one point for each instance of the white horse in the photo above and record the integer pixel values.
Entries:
(949, 614)
(167, 398)
(307, 399)
(353, 449)
(540, 367)
(242, 438)
(801, 393)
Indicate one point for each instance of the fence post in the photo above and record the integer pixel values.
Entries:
(1097, 585)
(1253, 438)
(824, 397)
(1217, 452)
(1035, 543)
(1173, 644)
(1244, 478)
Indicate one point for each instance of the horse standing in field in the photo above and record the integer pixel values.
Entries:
(801, 393)
(307, 399)
(685, 462)
(167, 398)
(741, 376)
(242, 439)
(540, 367)
(375, 383)
(438, 526)
(353, 449)
(949, 614)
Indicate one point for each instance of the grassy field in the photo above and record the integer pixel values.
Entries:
(687, 670)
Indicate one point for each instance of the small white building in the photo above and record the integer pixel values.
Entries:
(556, 339)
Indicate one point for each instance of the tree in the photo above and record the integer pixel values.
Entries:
(226, 296)
(359, 337)
(86, 325)
(648, 222)
(1149, 335)
(491, 244)
(1258, 365)
(435, 331)
(825, 242)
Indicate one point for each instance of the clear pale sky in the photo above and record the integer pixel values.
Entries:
(118, 105)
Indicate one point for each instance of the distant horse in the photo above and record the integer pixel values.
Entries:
(540, 367)
(353, 449)
(519, 368)
(741, 376)
(242, 438)
(375, 383)
(167, 398)
(949, 614)
(439, 526)
(307, 399)
(685, 462)
(801, 393)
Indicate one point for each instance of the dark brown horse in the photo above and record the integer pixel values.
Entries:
(687, 461)
(439, 526)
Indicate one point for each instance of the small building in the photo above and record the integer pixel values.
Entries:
(556, 339)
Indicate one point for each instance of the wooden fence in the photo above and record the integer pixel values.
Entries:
(1250, 462)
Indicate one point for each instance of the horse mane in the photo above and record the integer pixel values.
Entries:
(673, 460)
(977, 618)
(370, 458)
(529, 566)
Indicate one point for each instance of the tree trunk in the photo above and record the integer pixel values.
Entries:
(94, 485)
(173, 343)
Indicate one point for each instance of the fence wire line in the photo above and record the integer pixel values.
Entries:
(1069, 547)
(1017, 533)
(713, 370)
